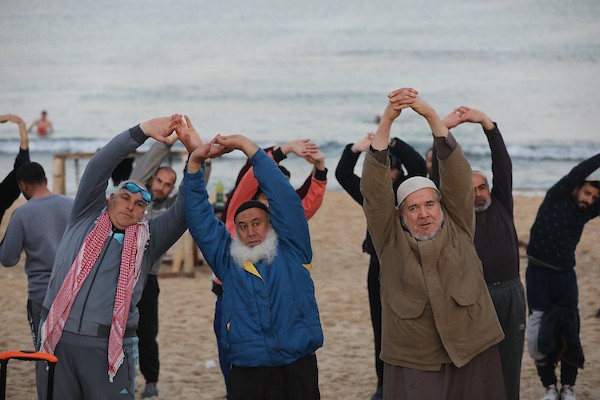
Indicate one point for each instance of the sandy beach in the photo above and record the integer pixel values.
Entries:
(188, 351)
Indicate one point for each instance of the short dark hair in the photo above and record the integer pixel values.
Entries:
(31, 172)
(169, 169)
(594, 183)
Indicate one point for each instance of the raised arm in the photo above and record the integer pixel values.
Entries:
(300, 147)
(9, 188)
(397, 101)
(502, 177)
(455, 172)
(199, 151)
(378, 194)
(91, 194)
(316, 191)
(575, 177)
(501, 162)
(344, 173)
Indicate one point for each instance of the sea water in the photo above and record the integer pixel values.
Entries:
(276, 71)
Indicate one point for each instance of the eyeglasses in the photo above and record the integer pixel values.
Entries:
(135, 188)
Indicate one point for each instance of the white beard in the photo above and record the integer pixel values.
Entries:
(264, 251)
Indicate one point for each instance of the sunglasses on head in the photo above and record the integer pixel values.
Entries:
(135, 188)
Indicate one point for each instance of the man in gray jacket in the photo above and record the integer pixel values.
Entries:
(90, 316)
(36, 228)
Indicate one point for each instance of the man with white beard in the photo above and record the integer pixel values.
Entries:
(270, 320)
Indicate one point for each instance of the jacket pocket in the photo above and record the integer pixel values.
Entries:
(468, 298)
(467, 295)
(406, 307)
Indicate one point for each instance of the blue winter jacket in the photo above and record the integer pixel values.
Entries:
(270, 314)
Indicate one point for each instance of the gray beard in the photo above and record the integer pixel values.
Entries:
(483, 206)
(267, 250)
(420, 237)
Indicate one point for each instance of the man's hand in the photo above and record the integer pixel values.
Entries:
(466, 114)
(159, 128)
(363, 144)
(22, 128)
(476, 116)
(399, 99)
(186, 132)
(300, 147)
(199, 151)
(11, 118)
(237, 142)
(317, 158)
(453, 119)
(421, 107)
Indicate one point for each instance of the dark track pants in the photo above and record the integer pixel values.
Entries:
(296, 381)
(509, 301)
(148, 330)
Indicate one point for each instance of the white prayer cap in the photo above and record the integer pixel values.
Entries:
(594, 176)
(413, 184)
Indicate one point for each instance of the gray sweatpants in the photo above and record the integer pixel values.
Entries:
(82, 370)
(509, 301)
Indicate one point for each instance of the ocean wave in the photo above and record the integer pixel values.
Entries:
(532, 152)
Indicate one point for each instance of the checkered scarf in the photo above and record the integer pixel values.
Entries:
(134, 244)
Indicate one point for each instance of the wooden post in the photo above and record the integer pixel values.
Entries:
(59, 175)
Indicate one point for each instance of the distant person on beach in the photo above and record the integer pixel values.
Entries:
(271, 327)
(36, 228)
(439, 327)
(160, 180)
(43, 125)
(402, 156)
(9, 188)
(429, 160)
(89, 319)
(552, 292)
(496, 243)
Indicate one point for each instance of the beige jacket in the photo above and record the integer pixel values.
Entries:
(436, 307)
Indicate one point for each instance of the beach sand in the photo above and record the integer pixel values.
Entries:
(188, 353)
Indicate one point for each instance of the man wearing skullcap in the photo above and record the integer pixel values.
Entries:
(270, 320)
(439, 327)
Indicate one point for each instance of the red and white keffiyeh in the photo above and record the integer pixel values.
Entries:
(134, 244)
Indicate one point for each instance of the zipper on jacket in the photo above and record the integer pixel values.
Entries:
(87, 296)
(273, 329)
